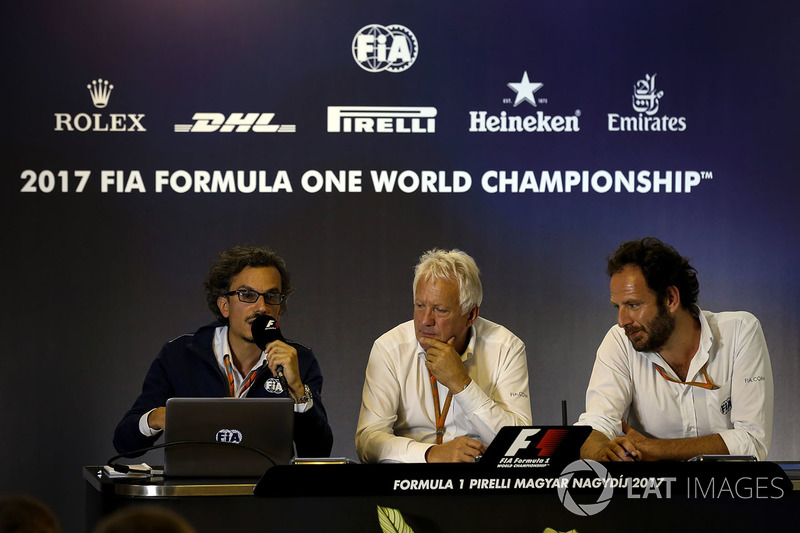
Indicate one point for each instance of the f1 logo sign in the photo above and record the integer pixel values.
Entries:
(521, 442)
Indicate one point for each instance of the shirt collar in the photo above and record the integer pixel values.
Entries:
(222, 348)
(471, 344)
(701, 357)
(703, 354)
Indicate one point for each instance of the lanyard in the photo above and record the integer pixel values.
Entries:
(440, 414)
(707, 385)
(231, 385)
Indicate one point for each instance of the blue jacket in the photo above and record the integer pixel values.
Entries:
(186, 367)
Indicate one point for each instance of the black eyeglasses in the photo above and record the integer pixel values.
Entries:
(250, 296)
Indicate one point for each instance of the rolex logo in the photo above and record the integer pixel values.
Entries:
(100, 91)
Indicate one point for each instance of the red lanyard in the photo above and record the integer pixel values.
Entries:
(707, 385)
(246, 385)
(440, 415)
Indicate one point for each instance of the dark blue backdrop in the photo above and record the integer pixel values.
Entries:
(97, 281)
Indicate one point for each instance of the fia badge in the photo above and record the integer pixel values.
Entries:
(273, 386)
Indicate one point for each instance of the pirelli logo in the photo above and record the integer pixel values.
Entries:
(368, 119)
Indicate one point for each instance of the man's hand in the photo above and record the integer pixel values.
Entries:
(459, 450)
(444, 362)
(638, 441)
(673, 449)
(633, 446)
(157, 418)
(598, 448)
(281, 354)
(629, 447)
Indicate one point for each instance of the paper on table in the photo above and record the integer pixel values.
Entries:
(140, 470)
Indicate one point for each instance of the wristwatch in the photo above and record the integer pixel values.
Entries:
(306, 397)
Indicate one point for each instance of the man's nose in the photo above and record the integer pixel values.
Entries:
(261, 303)
(623, 317)
(428, 317)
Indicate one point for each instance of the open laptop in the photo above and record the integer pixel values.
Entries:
(217, 434)
(535, 446)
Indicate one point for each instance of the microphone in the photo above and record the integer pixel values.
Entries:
(265, 329)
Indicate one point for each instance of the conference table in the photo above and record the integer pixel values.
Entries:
(582, 496)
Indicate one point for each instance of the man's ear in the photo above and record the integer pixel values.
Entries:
(223, 303)
(473, 316)
(672, 301)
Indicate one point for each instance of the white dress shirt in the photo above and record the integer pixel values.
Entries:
(398, 419)
(625, 385)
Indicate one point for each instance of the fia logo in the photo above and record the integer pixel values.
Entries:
(273, 386)
(392, 48)
(726, 406)
(233, 436)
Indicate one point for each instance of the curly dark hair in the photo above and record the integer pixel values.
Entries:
(662, 267)
(232, 261)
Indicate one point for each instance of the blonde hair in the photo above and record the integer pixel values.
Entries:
(453, 265)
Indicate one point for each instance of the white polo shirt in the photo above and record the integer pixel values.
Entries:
(625, 385)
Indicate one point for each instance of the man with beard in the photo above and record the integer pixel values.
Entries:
(222, 359)
(672, 381)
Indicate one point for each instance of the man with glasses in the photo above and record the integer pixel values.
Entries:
(672, 381)
(222, 359)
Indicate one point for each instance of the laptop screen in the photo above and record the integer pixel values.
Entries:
(222, 437)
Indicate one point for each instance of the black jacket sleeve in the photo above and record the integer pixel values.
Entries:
(312, 433)
(155, 392)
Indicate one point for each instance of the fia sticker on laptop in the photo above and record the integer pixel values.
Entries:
(234, 436)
